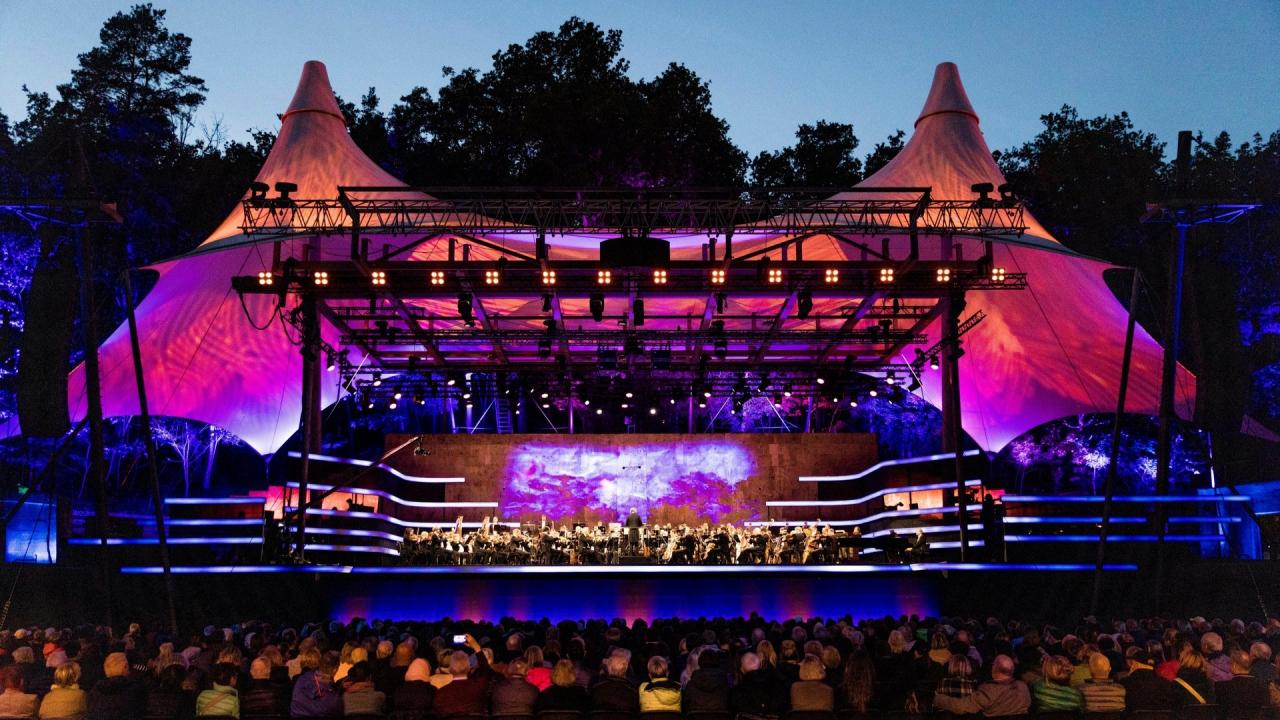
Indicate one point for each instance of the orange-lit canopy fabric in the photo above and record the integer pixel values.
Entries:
(1040, 354)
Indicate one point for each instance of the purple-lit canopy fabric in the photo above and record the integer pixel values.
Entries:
(1040, 354)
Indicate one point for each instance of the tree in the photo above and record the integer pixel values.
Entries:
(823, 156)
(883, 152)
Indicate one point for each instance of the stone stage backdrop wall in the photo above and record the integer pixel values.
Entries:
(598, 478)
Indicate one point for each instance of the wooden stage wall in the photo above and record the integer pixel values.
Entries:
(590, 478)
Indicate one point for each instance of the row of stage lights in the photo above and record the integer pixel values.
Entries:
(604, 278)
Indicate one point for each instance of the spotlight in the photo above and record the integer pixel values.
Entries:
(821, 380)
(717, 276)
(804, 304)
(437, 277)
(933, 363)
(596, 303)
(625, 406)
(984, 191)
(786, 391)
(629, 395)
(775, 276)
(853, 403)
(872, 392)
(604, 277)
(464, 309)
(266, 278)
(377, 378)
(548, 277)
(587, 402)
(886, 274)
(702, 405)
(659, 277)
(546, 406)
(997, 274)
(466, 396)
(706, 394)
(378, 278)
(653, 411)
(637, 311)
(331, 363)
(451, 381)
(832, 276)
(393, 405)
(545, 395)
(891, 378)
(492, 277)
(398, 394)
(599, 411)
(320, 278)
(942, 275)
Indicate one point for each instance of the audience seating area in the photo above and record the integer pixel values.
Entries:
(669, 669)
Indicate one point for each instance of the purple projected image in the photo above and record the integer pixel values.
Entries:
(658, 480)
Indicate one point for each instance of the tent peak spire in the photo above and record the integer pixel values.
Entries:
(947, 94)
(314, 93)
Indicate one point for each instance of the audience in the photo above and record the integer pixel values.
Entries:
(254, 670)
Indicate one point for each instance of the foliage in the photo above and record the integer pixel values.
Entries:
(823, 156)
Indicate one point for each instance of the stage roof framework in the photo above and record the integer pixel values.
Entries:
(216, 355)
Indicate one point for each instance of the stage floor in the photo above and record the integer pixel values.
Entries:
(564, 570)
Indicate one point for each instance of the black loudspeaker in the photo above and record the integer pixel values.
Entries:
(635, 252)
(46, 345)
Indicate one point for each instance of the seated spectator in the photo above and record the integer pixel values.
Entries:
(358, 694)
(539, 672)
(415, 694)
(15, 701)
(958, 682)
(513, 694)
(261, 695)
(1053, 691)
(857, 689)
(1242, 695)
(1143, 688)
(388, 675)
(441, 676)
(810, 693)
(708, 686)
(1003, 696)
(468, 692)
(222, 698)
(659, 694)
(615, 693)
(1192, 685)
(313, 693)
(168, 696)
(831, 662)
(1217, 664)
(1101, 693)
(565, 693)
(65, 699)
(115, 697)
(1260, 666)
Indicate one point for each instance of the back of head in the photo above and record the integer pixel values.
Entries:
(225, 674)
(1260, 651)
(359, 672)
(518, 668)
(260, 668)
(616, 666)
(1099, 666)
(1057, 669)
(811, 668)
(657, 667)
(1210, 643)
(459, 664)
(958, 666)
(23, 655)
(709, 659)
(750, 662)
(67, 674)
(116, 665)
(1240, 662)
(359, 655)
(385, 648)
(419, 670)
(1137, 654)
(563, 674)
(11, 678)
(309, 658)
(1002, 668)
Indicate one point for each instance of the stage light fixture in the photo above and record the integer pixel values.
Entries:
(398, 394)
(625, 405)
(872, 392)
(786, 391)
(376, 277)
(548, 277)
(775, 276)
(321, 278)
(637, 311)
(546, 406)
(831, 276)
(821, 380)
(599, 411)
(451, 381)
(417, 398)
(702, 405)
(706, 394)
(672, 401)
(659, 277)
(886, 274)
(377, 378)
(492, 277)
(853, 403)
(546, 302)
(330, 363)
(265, 278)
(393, 405)
(804, 304)
(465, 309)
(469, 405)
(653, 411)
(437, 277)
(997, 274)
(596, 303)
(942, 275)
(984, 191)
(466, 395)
(933, 363)
(717, 276)
(891, 378)
(604, 277)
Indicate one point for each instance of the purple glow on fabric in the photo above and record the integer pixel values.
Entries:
(559, 482)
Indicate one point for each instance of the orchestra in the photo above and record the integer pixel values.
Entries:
(495, 543)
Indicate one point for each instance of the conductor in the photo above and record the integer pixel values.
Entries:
(634, 525)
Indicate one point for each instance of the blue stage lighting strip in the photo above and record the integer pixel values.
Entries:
(376, 549)
(381, 466)
(348, 532)
(170, 540)
(1125, 498)
(872, 496)
(628, 569)
(1110, 538)
(1097, 520)
(885, 464)
(329, 512)
(397, 499)
(850, 523)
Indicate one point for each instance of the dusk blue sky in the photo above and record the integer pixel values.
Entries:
(771, 65)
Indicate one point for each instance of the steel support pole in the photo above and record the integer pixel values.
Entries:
(148, 439)
(93, 394)
(1114, 460)
(309, 423)
(1168, 383)
(953, 428)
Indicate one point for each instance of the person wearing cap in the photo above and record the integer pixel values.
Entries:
(116, 696)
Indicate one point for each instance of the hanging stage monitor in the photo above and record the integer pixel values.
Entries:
(642, 251)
